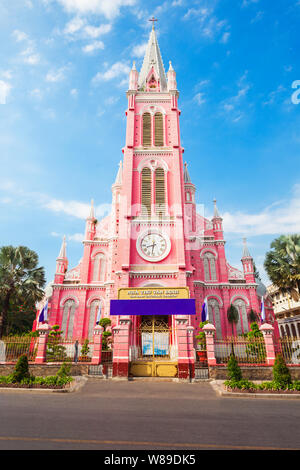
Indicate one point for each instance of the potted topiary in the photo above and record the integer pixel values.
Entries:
(84, 354)
(201, 345)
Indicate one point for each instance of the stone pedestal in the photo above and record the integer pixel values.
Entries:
(96, 359)
(185, 348)
(210, 332)
(121, 348)
(268, 330)
(43, 330)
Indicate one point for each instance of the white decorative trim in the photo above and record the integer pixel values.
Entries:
(216, 297)
(94, 297)
(240, 296)
(147, 163)
(68, 297)
(152, 109)
(210, 250)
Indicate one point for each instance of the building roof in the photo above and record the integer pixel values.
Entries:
(153, 59)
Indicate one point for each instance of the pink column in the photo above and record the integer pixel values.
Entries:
(268, 330)
(210, 332)
(96, 359)
(186, 361)
(121, 335)
(42, 343)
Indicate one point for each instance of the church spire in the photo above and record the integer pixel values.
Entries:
(246, 253)
(153, 60)
(63, 252)
(186, 176)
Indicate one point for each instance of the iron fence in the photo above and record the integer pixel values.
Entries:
(289, 348)
(245, 350)
(59, 350)
(12, 347)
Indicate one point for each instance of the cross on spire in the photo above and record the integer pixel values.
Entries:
(153, 21)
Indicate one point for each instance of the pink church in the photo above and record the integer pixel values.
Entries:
(153, 246)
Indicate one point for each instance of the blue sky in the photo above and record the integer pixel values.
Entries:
(63, 77)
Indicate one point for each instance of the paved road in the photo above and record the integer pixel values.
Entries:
(145, 415)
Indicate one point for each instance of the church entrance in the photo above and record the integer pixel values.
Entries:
(155, 352)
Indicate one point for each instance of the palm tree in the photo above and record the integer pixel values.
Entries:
(233, 318)
(20, 279)
(282, 264)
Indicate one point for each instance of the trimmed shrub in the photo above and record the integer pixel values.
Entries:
(281, 373)
(21, 371)
(234, 370)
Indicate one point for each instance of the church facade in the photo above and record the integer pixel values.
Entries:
(153, 243)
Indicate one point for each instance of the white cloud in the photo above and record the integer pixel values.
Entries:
(116, 70)
(108, 8)
(246, 3)
(74, 92)
(139, 50)
(56, 75)
(279, 218)
(5, 88)
(94, 46)
(74, 25)
(210, 26)
(96, 31)
(199, 98)
(20, 35)
(225, 38)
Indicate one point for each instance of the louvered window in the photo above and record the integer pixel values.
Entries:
(68, 318)
(159, 130)
(160, 201)
(146, 192)
(93, 316)
(147, 130)
(99, 267)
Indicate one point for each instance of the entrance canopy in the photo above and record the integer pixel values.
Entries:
(153, 307)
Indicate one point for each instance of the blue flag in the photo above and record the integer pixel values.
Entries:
(204, 313)
(99, 314)
(43, 316)
(262, 311)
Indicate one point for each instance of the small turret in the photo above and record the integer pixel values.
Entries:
(171, 77)
(90, 228)
(189, 200)
(61, 264)
(217, 222)
(248, 265)
(133, 78)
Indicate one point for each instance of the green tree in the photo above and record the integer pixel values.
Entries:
(21, 281)
(234, 370)
(253, 316)
(105, 322)
(55, 350)
(233, 318)
(282, 264)
(21, 371)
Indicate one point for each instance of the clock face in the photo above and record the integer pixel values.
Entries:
(153, 245)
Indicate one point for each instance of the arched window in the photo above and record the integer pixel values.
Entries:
(160, 200)
(294, 334)
(93, 317)
(209, 262)
(67, 324)
(242, 325)
(99, 268)
(147, 130)
(214, 316)
(146, 192)
(287, 329)
(159, 130)
(282, 332)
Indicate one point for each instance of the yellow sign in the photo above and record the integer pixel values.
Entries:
(139, 293)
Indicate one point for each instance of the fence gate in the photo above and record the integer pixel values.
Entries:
(154, 349)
